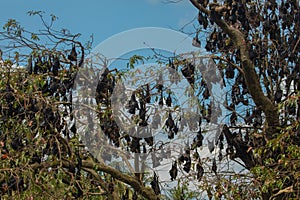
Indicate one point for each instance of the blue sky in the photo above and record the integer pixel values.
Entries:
(102, 18)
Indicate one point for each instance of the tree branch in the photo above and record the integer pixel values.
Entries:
(132, 181)
(200, 7)
(251, 78)
(102, 184)
(285, 190)
(240, 147)
(89, 165)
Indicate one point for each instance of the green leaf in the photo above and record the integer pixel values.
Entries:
(34, 37)
(31, 13)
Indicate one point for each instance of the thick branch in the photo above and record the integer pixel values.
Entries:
(251, 78)
(200, 7)
(132, 181)
(89, 164)
(241, 147)
(285, 190)
(102, 184)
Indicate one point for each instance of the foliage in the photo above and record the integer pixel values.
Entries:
(256, 45)
(42, 154)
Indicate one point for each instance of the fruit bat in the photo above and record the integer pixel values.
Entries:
(169, 100)
(73, 54)
(173, 171)
(200, 171)
(154, 184)
(214, 166)
(133, 104)
(187, 165)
